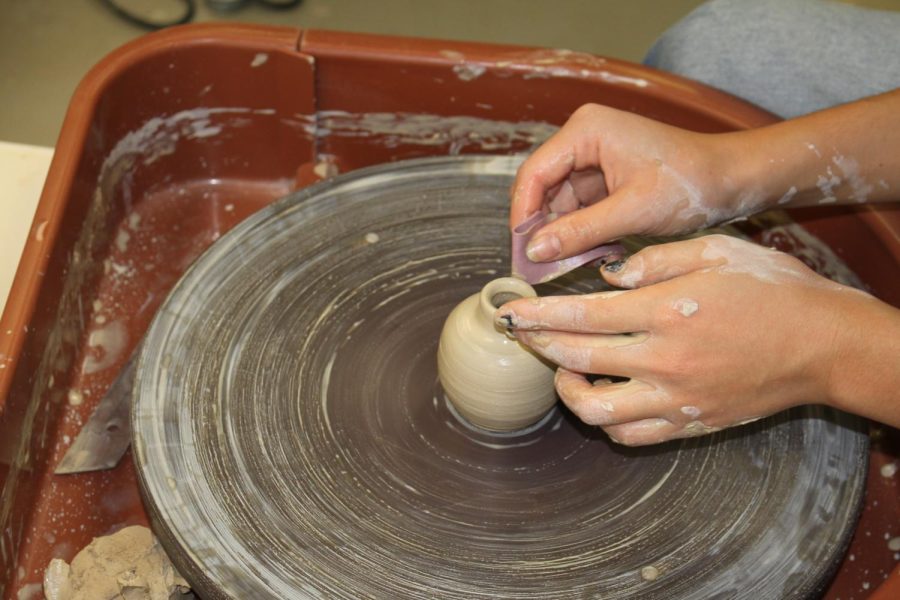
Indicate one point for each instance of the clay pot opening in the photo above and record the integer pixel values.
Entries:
(498, 300)
(500, 291)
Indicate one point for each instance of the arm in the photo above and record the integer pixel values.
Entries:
(631, 175)
(845, 155)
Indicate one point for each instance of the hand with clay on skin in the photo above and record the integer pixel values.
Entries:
(716, 333)
(632, 175)
(712, 332)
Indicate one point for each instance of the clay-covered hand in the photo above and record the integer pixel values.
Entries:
(628, 175)
(716, 332)
(617, 174)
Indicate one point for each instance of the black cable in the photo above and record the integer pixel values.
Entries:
(187, 16)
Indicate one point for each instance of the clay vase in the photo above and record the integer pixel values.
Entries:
(493, 381)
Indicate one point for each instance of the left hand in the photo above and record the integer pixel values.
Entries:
(719, 332)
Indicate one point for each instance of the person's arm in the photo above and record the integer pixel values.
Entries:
(713, 332)
(849, 154)
(632, 175)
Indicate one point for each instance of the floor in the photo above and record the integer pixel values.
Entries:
(46, 46)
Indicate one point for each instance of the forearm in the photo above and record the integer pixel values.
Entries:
(865, 370)
(845, 155)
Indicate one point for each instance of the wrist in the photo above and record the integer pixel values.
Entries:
(748, 182)
(864, 372)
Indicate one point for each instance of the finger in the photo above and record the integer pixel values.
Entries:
(605, 403)
(655, 431)
(609, 219)
(546, 168)
(662, 262)
(569, 149)
(642, 433)
(601, 354)
(580, 189)
(602, 312)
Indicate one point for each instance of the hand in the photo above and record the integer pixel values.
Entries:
(719, 332)
(629, 175)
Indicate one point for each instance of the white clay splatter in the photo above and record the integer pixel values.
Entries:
(826, 184)
(122, 239)
(372, 237)
(889, 470)
(737, 256)
(574, 358)
(859, 188)
(695, 204)
(691, 411)
(469, 71)
(76, 397)
(259, 60)
(686, 306)
(30, 591)
(649, 573)
(203, 128)
(894, 544)
(788, 195)
(695, 428)
(110, 340)
(749, 202)
(325, 169)
(457, 132)
(621, 79)
(634, 272)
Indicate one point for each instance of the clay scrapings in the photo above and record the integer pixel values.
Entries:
(292, 441)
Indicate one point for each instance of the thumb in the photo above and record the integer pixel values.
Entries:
(655, 264)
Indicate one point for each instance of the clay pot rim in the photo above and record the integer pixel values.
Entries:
(503, 286)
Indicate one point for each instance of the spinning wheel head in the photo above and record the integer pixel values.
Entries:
(292, 440)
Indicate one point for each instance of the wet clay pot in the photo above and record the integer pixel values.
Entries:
(492, 380)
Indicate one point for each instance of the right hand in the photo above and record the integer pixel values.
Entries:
(714, 332)
(617, 174)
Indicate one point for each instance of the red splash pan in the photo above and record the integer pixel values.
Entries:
(174, 138)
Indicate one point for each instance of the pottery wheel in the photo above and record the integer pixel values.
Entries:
(292, 440)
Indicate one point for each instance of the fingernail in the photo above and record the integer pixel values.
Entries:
(615, 266)
(605, 260)
(543, 247)
(505, 321)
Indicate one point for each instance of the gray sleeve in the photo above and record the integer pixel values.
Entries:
(790, 57)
